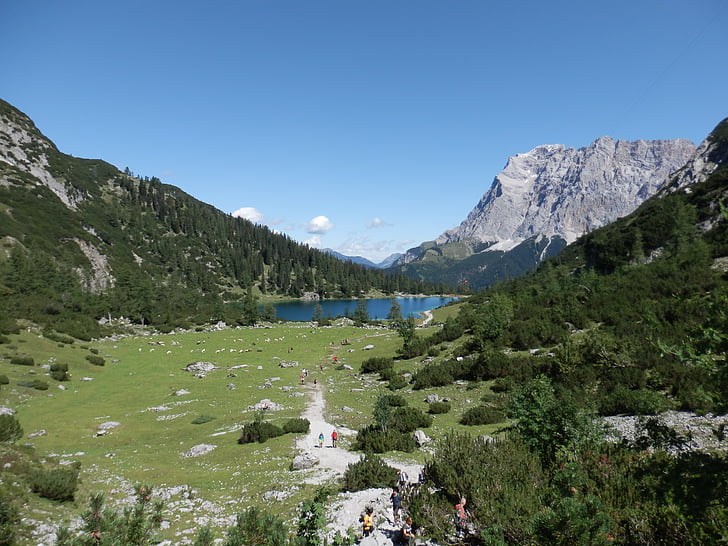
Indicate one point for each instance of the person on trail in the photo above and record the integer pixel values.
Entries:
(403, 481)
(407, 534)
(460, 515)
(321, 440)
(303, 379)
(334, 438)
(396, 499)
(367, 521)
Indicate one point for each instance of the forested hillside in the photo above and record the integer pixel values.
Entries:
(82, 240)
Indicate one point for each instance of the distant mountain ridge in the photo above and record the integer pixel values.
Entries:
(361, 260)
(543, 200)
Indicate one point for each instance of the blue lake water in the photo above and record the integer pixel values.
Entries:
(377, 308)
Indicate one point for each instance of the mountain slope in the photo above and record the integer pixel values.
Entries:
(81, 237)
(546, 198)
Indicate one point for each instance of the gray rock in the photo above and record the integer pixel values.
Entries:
(303, 461)
(200, 449)
(421, 438)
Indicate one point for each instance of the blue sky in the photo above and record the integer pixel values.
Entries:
(367, 126)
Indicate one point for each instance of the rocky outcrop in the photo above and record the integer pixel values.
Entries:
(556, 191)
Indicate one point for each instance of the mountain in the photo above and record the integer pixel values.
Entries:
(388, 261)
(542, 201)
(80, 239)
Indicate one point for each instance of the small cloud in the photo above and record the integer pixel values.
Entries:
(320, 225)
(314, 241)
(249, 213)
(376, 223)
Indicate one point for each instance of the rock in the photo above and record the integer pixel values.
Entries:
(41, 432)
(347, 409)
(200, 367)
(347, 367)
(7, 411)
(432, 398)
(303, 461)
(266, 405)
(180, 392)
(421, 438)
(62, 387)
(368, 347)
(87, 379)
(200, 449)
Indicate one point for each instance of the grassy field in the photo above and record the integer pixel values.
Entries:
(144, 390)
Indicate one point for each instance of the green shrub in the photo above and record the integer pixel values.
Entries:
(368, 472)
(373, 439)
(59, 338)
(393, 400)
(96, 360)
(376, 364)
(10, 429)
(296, 426)
(4, 379)
(409, 419)
(9, 520)
(58, 483)
(202, 419)
(397, 382)
(437, 408)
(633, 402)
(22, 360)
(37, 384)
(437, 375)
(59, 372)
(94, 350)
(258, 431)
(4, 339)
(257, 527)
(387, 374)
(482, 415)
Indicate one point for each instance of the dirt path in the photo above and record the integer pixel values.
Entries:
(344, 509)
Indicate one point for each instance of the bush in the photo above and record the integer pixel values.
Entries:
(633, 402)
(37, 384)
(369, 472)
(439, 408)
(409, 419)
(376, 364)
(296, 426)
(373, 439)
(59, 483)
(4, 379)
(9, 520)
(393, 400)
(258, 431)
(482, 415)
(22, 360)
(4, 339)
(58, 338)
(96, 360)
(59, 372)
(436, 375)
(10, 429)
(397, 382)
(202, 419)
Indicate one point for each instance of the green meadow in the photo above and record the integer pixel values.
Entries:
(152, 405)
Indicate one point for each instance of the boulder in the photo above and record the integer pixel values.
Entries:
(303, 461)
(200, 367)
(432, 398)
(421, 438)
(200, 449)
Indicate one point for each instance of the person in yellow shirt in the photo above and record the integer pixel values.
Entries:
(367, 520)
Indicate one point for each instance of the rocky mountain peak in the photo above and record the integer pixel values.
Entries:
(557, 191)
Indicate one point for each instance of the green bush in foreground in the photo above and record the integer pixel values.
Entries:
(22, 360)
(96, 360)
(369, 471)
(376, 364)
(439, 408)
(202, 419)
(296, 426)
(258, 431)
(37, 384)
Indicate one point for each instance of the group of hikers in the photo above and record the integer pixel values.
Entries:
(404, 535)
(334, 439)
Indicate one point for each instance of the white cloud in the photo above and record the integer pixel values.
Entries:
(376, 223)
(249, 213)
(313, 241)
(319, 225)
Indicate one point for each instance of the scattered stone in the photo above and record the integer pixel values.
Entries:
(200, 367)
(231, 386)
(201, 449)
(41, 432)
(157, 409)
(87, 379)
(347, 367)
(7, 411)
(266, 405)
(347, 409)
(180, 392)
(303, 461)
(368, 347)
(109, 425)
(284, 364)
(62, 387)
(431, 398)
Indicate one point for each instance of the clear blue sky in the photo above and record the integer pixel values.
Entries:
(367, 126)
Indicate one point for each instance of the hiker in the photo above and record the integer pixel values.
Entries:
(396, 499)
(460, 515)
(403, 481)
(321, 440)
(303, 379)
(407, 534)
(334, 437)
(367, 521)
